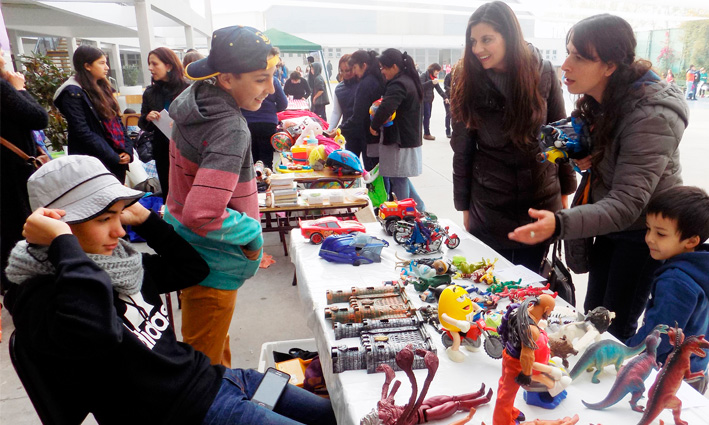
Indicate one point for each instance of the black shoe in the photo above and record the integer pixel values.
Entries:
(448, 134)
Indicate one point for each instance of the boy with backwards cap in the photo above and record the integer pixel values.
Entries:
(89, 317)
(213, 200)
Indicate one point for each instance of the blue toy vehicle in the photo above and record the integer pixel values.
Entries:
(354, 248)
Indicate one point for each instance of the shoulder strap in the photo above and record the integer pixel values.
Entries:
(15, 149)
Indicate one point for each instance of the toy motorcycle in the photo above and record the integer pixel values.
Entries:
(424, 235)
(473, 338)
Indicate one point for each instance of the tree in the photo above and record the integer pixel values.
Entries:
(667, 55)
(43, 78)
(696, 48)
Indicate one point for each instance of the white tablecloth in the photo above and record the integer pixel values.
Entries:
(355, 393)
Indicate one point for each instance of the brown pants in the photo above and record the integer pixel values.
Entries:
(206, 316)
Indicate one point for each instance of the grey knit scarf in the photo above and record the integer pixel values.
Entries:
(125, 266)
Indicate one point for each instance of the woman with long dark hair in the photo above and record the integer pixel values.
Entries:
(92, 113)
(636, 122)
(400, 143)
(502, 93)
(365, 66)
(168, 81)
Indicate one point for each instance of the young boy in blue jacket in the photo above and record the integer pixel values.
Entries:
(677, 224)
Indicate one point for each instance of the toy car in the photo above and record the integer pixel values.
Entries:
(317, 230)
(392, 211)
(354, 248)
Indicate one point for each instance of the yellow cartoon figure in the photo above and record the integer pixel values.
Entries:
(455, 312)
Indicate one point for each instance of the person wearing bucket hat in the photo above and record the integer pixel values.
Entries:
(213, 201)
(83, 298)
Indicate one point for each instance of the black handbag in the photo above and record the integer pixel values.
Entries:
(558, 275)
(577, 251)
(144, 145)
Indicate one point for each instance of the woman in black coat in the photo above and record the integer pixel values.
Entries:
(92, 114)
(19, 115)
(168, 81)
(371, 87)
(502, 94)
(400, 155)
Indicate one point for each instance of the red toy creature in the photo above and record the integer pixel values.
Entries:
(418, 411)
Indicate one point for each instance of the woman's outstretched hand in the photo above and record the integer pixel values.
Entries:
(43, 225)
(536, 232)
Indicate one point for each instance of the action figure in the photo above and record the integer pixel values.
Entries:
(525, 357)
(418, 411)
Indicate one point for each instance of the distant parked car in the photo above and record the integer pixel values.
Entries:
(317, 230)
(355, 249)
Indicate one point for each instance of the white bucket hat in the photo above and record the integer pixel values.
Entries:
(78, 184)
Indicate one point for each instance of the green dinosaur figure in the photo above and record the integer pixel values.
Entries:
(607, 352)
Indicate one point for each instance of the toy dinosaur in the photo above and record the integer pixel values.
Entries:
(632, 376)
(607, 352)
(663, 391)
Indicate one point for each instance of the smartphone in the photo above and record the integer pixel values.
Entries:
(270, 388)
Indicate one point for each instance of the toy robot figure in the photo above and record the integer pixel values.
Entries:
(526, 356)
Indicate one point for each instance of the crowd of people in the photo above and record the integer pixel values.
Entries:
(81, 295)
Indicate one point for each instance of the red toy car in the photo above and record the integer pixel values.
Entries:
(317, 230)
(392, 211)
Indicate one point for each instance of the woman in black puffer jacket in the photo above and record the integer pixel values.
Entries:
(501, 95)
(168, 82)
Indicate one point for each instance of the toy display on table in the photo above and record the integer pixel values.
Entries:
(631, 377)
(565, 139)
(318, 230)
(391, 212)
(339, 138)
(288, 165)
(607, 352)
(353, 248)
(373, 110)
(263, 176)
(587, 331)
(562, 348)
(662, 394)
(282, 141)
(384, 305)
(418, 409)
(465, 270)
(343, 161)
(526, 356)
(380, 347)
(384, 320)
(424, 235)
(464, 324)
(343, 296)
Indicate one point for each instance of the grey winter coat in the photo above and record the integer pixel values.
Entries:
(642, 160)
(497, 181)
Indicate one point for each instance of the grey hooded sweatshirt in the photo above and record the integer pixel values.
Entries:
(319, 84)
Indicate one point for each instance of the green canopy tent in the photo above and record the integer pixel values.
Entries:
(288, 43)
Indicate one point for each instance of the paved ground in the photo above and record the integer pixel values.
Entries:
(267, 307)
